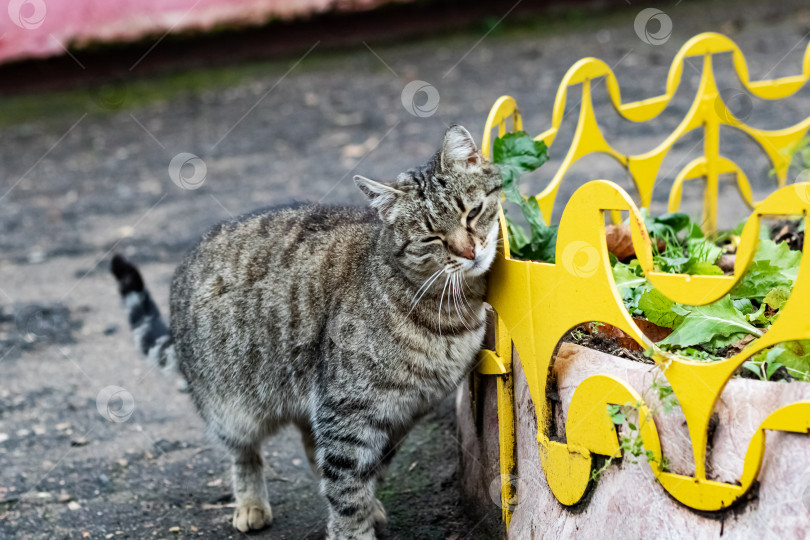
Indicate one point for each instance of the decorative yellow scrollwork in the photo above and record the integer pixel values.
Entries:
(708, 111)
(537, 303)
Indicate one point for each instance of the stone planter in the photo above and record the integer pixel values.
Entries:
(627, 501)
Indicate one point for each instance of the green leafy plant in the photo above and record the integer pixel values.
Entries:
(794, 356)
(716, 322)
(702, 333)
(631, 444)
(709, 332)
(773, 266)
(516, 154)
(685, 250)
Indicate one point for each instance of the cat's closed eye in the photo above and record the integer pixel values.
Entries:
(474, 212)
(431, 239)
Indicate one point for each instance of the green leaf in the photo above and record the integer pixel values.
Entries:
(704, 323)
(773, 265)
(666, 395)
(753, 367)
(762, 277)
(771, 368)
(539, 246)
(517, 236)
(758, 316)
(517, 153)
(658, 309)
(703, 250)
(674, 265)
(631, 284)
(699, 259)
(793, 355)
(615, 414)
(703, 268)
(780, 255)
(667, 225)
(695, 232)
(721, 342)
(777, 297)
(744, 306)
(626, 279)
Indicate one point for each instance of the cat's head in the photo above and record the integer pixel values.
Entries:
(444, 214)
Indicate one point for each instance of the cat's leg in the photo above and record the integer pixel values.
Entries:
(379, 514)
(252, 509)
(348, 467)
(352, 507)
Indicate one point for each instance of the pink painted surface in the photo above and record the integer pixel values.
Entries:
(40, 28)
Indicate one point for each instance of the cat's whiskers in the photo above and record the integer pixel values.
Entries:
(464, 286)
(464, 295)
(452, 295)
(441, 300)
(426, 286)
(457, 296)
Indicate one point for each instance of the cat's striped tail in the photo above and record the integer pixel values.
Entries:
(152, 337)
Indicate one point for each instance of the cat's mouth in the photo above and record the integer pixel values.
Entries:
(481, 263)
(485, 255)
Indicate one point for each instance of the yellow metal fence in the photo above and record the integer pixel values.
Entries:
(537, 303)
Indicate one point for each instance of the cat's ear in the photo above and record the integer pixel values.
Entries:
(458, 149)
(383, 197)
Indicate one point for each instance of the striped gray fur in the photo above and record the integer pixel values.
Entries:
(350, 323)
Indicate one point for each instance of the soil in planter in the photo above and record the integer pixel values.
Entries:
(608, 339)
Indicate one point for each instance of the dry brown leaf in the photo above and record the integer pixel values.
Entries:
(726, 262)
(619, 241)
(741, 344)
(651, 330)
(623, 339)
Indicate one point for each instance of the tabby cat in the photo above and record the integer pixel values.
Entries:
(350, 323)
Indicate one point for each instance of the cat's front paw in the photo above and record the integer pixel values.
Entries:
(252, 516)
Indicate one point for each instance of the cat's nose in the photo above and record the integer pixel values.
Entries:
(461, 244)
(468, 253)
